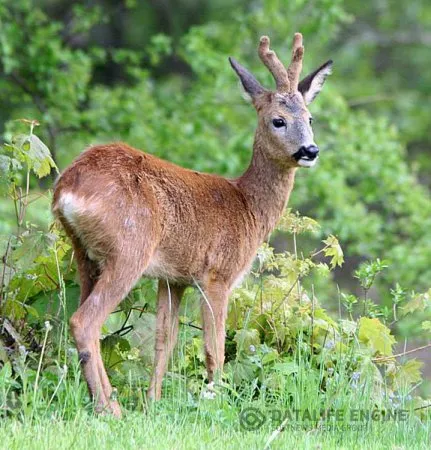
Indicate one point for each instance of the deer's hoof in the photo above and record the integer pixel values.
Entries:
(112, 409)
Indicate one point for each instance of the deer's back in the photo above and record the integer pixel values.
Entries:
(196, 224)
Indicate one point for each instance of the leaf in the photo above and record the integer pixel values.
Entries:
(348, 327)
(5, 374)
(406, 375)
(113, 349)
(270, 357)
(37, 154)
(376, 335)
(48, 303)
(243, 370)
(294, 223)
(245, 338)
(286, 368)
(334, 251)
(33, 245)
(418, 302)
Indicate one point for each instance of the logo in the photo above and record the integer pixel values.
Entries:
(251, 419)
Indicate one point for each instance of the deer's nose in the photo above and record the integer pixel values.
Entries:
(310, 152)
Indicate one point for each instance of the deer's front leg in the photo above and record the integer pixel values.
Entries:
(168, 304)
(214, 311)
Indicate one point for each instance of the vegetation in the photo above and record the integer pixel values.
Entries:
(296, 340)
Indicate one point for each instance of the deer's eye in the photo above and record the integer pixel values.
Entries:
(278, 123)
(310, 120)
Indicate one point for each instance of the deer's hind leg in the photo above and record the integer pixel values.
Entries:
(89, 272)
(120, 270)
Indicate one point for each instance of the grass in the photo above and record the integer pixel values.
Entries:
(59, 415)
(166, 429)
(183, 421)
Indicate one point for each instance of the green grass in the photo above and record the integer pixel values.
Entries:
(165, 429)
(60, 416)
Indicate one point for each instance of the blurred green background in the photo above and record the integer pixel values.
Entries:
(155, 74)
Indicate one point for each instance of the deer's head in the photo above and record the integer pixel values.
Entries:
(284, 120)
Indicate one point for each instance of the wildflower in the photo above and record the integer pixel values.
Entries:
(30, 276)
(355, 379)
(252, 348)
(330, 370)
(330, 345)
(48, 326)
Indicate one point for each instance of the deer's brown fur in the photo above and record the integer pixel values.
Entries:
(130, 214)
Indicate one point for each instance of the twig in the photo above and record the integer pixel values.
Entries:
(4, 261)
(287, 295)
(190, 324)
(276, 433)
(384, 358)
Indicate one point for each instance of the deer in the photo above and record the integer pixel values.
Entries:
(130, 214)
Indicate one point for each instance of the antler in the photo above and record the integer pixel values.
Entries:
(295, 66)
(274, 65)
(285, 80)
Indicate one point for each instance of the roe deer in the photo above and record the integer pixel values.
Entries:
(130, 214)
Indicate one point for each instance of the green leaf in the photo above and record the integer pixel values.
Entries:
(245, 338)
(270, 357)
(295, 223)
(375, 335)
(33, 245)
(418, 302)
(405, 375)
(113, 349)
(37, 154)
(243, 370)
(286, 368)
(334, 251)
(5, 374)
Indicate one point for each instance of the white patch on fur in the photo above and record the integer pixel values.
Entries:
(69, 205)
(307, 162)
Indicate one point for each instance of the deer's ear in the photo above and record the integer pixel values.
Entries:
(248, 81)
(312, 84)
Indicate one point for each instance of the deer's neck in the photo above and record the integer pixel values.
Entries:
(267, 186)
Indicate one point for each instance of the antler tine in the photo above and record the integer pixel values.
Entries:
(274, 65)
(295, 66)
